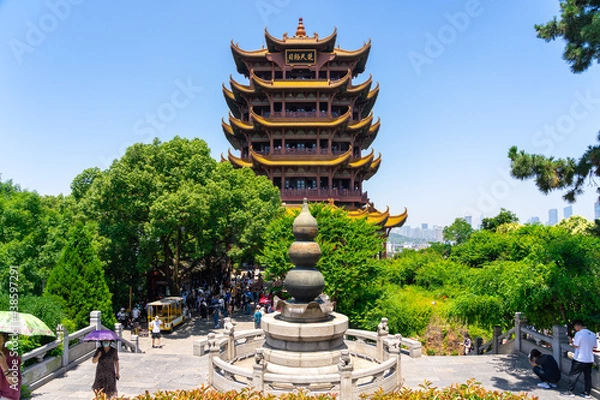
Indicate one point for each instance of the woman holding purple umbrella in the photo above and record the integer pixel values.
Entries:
(107, 370)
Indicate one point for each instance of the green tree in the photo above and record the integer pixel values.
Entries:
(579, 27)
(458, 232)
(171, 209)
(29, 238)
(576, 224)
(349, 247)
(504, 217)
(78, 279)
(146, 205)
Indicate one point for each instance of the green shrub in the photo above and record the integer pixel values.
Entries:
(470, 390)
(408, 310)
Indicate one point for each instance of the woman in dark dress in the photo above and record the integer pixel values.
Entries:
(107, 370)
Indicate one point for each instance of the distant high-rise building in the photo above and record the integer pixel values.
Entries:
(424, 226)
(568, 211)
(469, 220)
(552, 216)
(597, 210)
(534, 220)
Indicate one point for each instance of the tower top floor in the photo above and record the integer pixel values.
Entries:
(300, 50)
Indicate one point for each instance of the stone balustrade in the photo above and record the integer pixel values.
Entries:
(74, 351)
(383, 350)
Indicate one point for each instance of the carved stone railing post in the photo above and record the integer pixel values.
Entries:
(345, 368)
(119, 332)
(213, 349)
(229, 332)
(96, 319)
(258, 371)
(496, 339)
(63, 335)
(395, 349)
(559, 338)
(136, 341)
(382, 334)
(518, 332)
(478, 343)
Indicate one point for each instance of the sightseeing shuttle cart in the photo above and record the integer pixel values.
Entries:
(169, 311)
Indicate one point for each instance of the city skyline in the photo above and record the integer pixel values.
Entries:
(475, 223)
(82, 81)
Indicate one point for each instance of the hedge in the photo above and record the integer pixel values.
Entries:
(471, 390)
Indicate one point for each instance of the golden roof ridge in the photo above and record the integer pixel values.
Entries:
(342, 158)
(292, 123)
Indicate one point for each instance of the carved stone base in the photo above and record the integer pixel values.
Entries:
(304, 345)
(318, 310)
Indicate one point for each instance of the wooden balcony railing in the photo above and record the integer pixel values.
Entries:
(322, 194)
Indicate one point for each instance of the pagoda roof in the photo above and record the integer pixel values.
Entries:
(301, 84)
(328, 162)
(362, 124)
(373, 167)
(366, 160)
(238, 124)
(362, 89)
(237, 89)
(299, 122)
(370, 100)
(240, 55)
(371, 134)
(300, 40)
(380, 218)
(396, 221)
(233, 134)
(237, 161)
(232, 102)
(361, 54)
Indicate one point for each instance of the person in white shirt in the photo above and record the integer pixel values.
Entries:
(584, 343)
(155, 325)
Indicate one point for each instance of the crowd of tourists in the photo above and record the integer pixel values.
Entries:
(244, 291)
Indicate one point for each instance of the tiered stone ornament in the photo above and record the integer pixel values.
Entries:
(306, 333)
(305, 282)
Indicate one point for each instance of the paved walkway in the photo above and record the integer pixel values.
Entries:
(174, 367)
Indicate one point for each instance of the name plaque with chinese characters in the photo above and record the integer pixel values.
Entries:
(300, 57)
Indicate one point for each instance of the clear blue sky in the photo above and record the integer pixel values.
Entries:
(461, 82)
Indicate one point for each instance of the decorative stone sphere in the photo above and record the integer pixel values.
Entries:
(305, 254)
(304, 284)
(305, 225)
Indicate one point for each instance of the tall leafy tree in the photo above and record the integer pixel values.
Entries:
(579, 26)
(504, 217)
(28, 235)
(458, 232)
(143, 204)
(78, 279)
(169, 208)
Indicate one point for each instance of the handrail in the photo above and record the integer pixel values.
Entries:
(302, 379)
(379, 368)
(539, 337)
(232, 369)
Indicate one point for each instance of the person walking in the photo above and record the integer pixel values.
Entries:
(107, 370)
(155, 325)
(257, 317)
(545, 367)
(584, 343)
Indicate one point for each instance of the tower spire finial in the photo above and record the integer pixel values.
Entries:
(300, 31)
